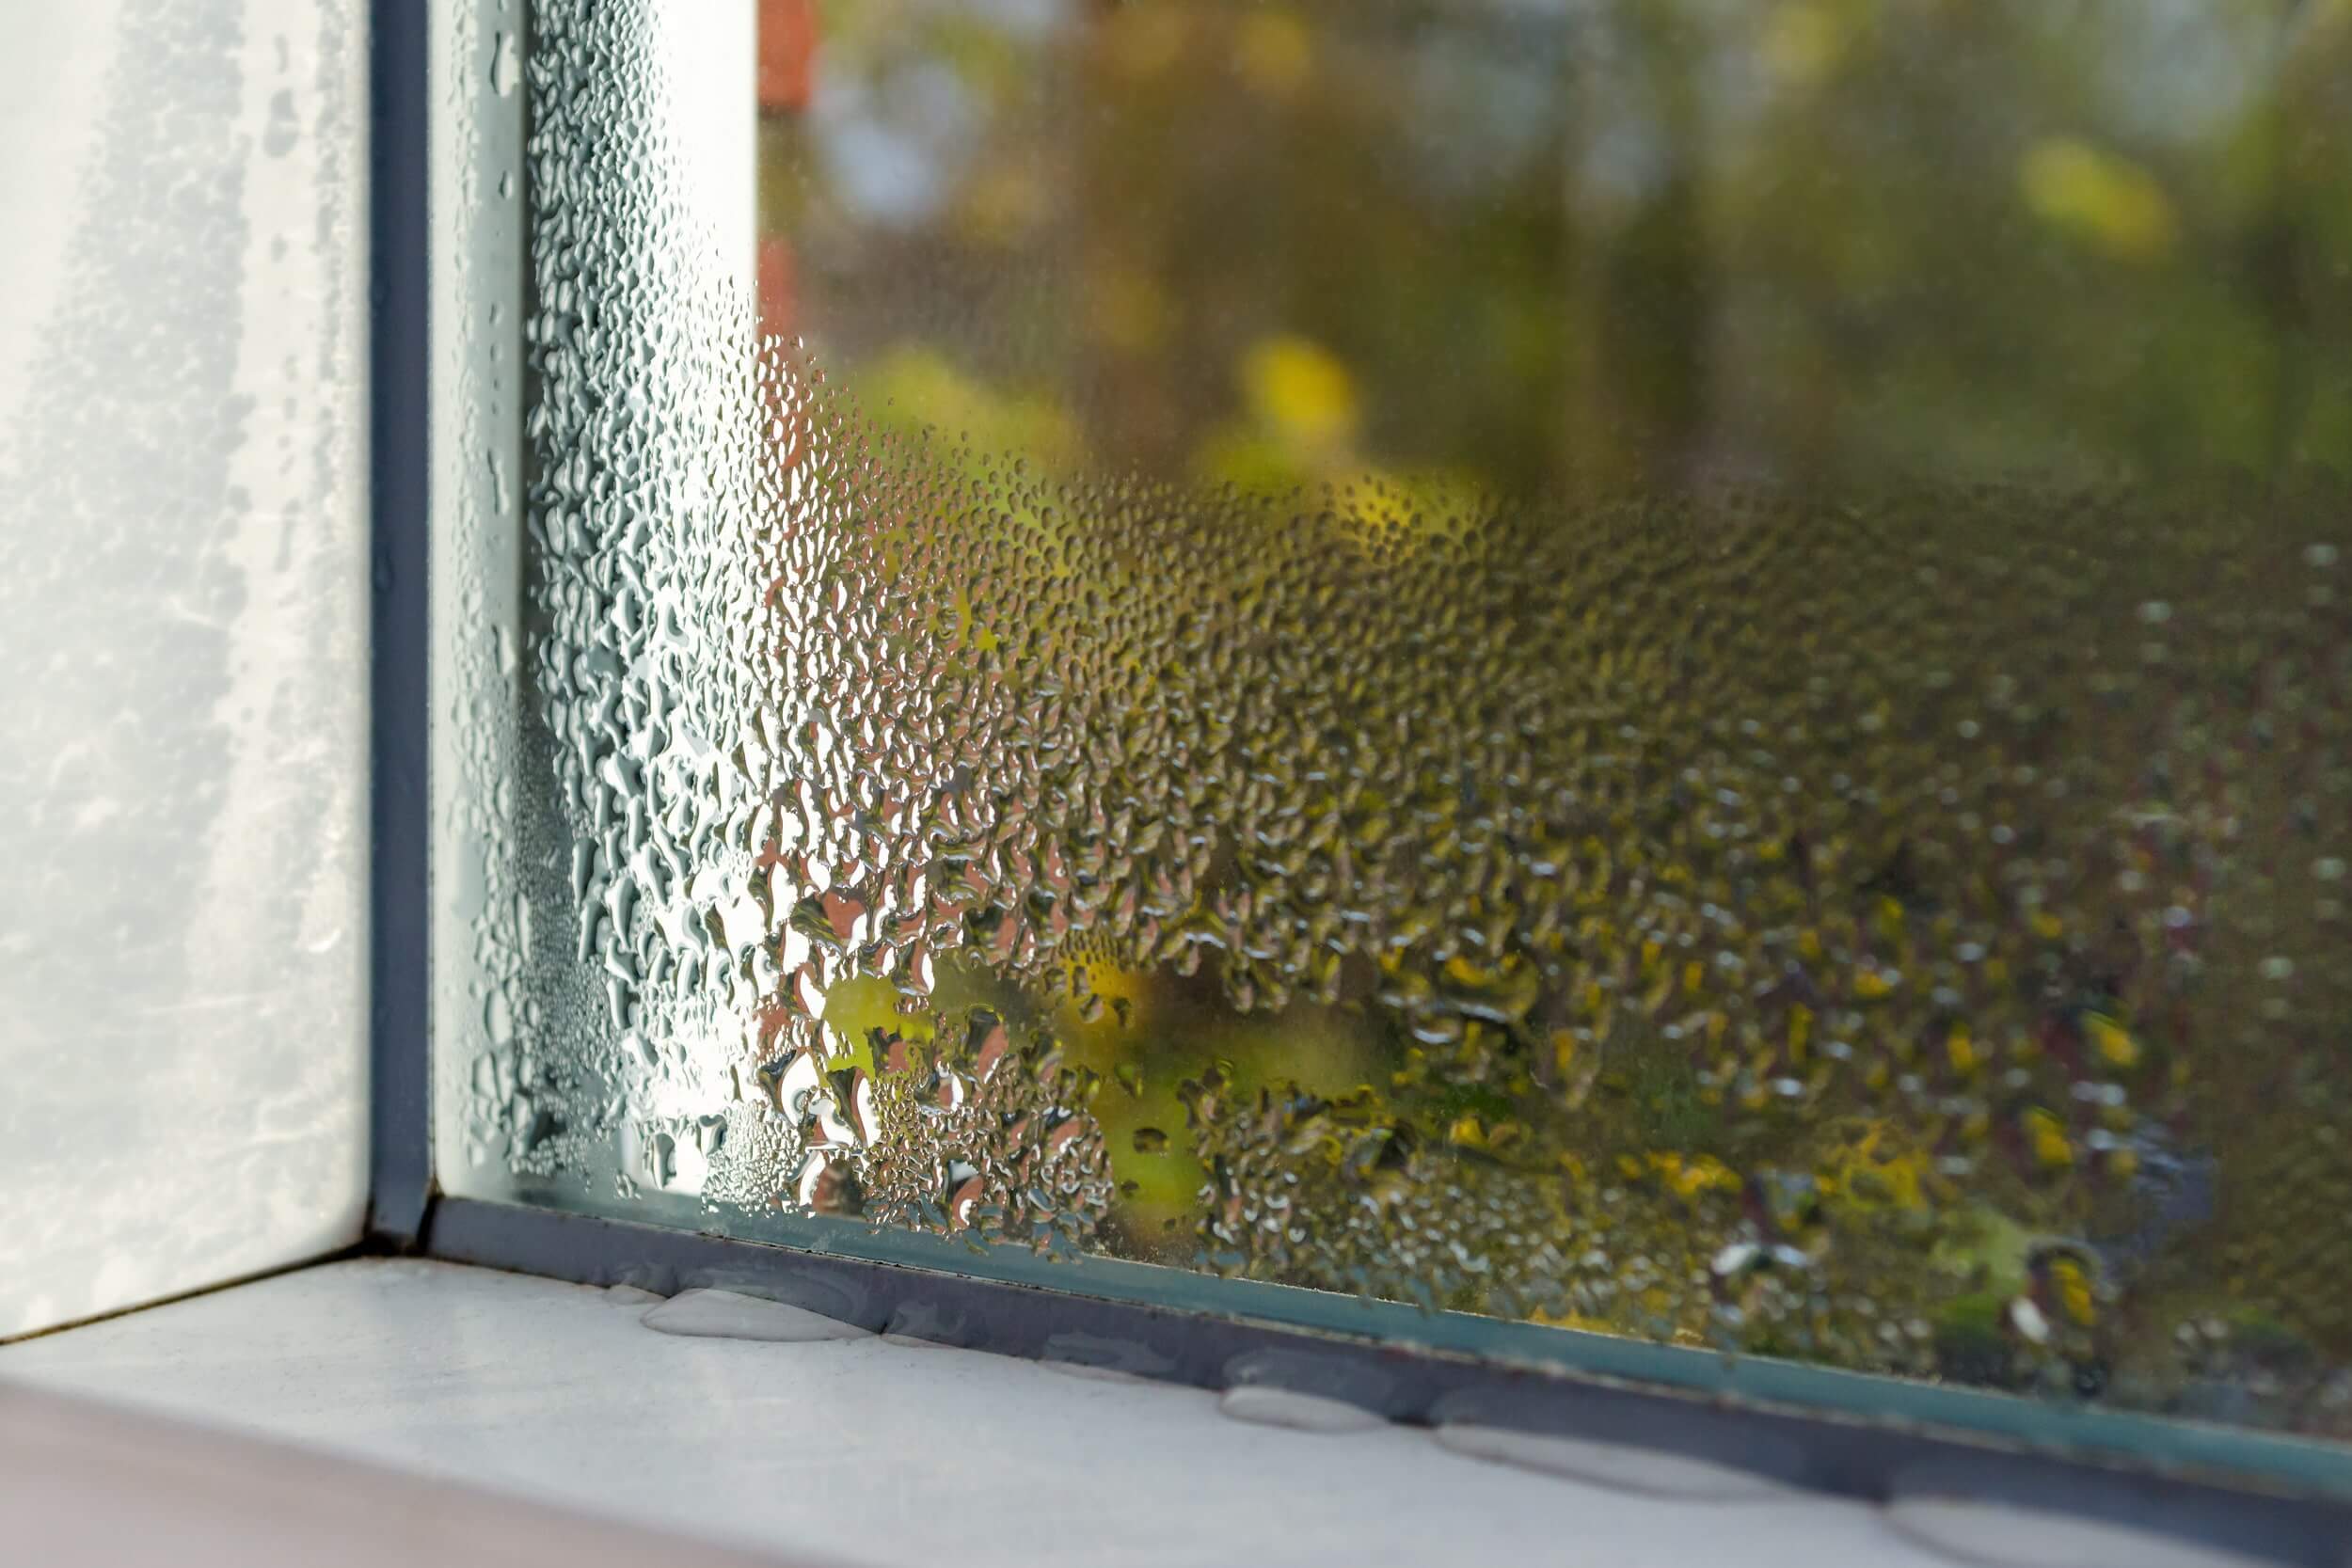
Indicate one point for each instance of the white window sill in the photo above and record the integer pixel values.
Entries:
(862, 1450)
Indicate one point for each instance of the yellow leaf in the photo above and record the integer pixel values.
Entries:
(2100, 198)
(2046, 1135)
(2111, 1039)
(2074, 1290)
(1301, 390)
(1564, 1051)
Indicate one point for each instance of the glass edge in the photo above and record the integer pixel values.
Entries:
(472, 117)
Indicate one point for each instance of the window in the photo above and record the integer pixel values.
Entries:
(1661, 669)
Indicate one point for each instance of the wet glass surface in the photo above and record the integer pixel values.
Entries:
(1672, 667)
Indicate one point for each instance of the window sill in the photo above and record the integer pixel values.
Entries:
(860, 1450)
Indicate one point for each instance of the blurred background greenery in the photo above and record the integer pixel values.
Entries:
(1458, 253)
(1542, 242)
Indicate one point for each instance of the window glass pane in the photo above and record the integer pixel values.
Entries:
(1671, 668)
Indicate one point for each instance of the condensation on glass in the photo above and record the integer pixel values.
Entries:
(1671, 668)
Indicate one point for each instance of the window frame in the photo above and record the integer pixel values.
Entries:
(443, 267)
(401, 155)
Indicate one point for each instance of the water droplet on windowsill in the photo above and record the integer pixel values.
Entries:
(1261, 1404)
(709, 1314)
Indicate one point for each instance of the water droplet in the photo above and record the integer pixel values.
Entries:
(1262, 1404)
(506, 65)
(714, 1314)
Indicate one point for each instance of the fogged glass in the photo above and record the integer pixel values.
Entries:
(184, 651)
(1666, 667)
